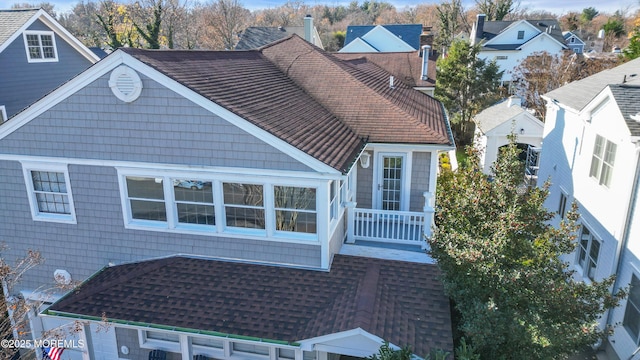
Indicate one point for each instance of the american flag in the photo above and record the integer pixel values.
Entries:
(52, 353)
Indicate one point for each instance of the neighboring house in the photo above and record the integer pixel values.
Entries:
(509, 42)
(409, 67)
(37, 55)
(257, 36)
(221, 204)
(590, 156)
(383, 38)
(574, 43)
(496, 123)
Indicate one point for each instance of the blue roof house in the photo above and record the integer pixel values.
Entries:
(382, 38)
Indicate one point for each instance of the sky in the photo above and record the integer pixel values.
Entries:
(555, 6)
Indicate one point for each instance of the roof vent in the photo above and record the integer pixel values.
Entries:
(125, 83)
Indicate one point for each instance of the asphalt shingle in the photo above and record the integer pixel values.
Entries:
(401, 302)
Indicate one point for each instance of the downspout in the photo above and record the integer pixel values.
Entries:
(625, 234)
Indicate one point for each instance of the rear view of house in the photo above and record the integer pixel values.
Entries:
(219, 204)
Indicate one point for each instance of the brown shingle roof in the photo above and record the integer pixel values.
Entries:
(323, 106)
(405, 66)
(401, 302)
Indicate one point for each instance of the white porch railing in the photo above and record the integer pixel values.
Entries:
(401, 227)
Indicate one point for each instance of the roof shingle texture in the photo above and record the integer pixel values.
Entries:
(401, 302)
(323, 106)
(405, 66)
(497, 114)
(257, 36)
(578, 94)
(491, 29)
(628, 99)
(12, 20)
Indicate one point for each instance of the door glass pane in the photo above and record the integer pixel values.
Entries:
(391, 182)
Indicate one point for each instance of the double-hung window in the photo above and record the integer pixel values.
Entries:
(41, 46)
(295, 209)
(520, 34)
(244, 205)
(604, 154)
(631, 320)
(49, 192)
(562, 207)
(588, 252)
(146, 198)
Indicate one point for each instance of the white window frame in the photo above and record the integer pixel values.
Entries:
(634, 337)
(149, 343)
(36, 214)
(600, 162)
(593, 238)
(520, 34)
(562, 205)
(220, 228)
(40, 34)
(3, 114)
(314, 211)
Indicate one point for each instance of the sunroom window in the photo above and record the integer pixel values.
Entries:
(295, 209)
(244, 205)
(194, 202)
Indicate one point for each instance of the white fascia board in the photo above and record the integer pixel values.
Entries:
(357, 43)
(507, 30)
(524, 45)
(307, 344)
(68, 37)
(385, 32)
(119, 57)
(61, 93)
(58, 29)
(162, 168)
(408, 147)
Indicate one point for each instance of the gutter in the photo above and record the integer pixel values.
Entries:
(169, 328)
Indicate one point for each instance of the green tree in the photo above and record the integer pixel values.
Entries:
(633, 50)
(614, 26)
(466, 84)
(501, 265)
(150, 32)
(495, 9)
(588, 14)
(451, 21)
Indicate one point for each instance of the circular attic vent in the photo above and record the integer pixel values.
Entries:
(125, 83)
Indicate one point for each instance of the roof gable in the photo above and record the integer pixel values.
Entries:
(627, 98)
(358, 45)
(14, 22)
(407, 33)
(383, 39)
(508, 30)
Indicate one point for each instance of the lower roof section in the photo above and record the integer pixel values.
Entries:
(400, 302)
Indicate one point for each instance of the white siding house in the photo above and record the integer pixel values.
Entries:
(590, 156)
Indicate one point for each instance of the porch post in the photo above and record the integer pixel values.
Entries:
(428, 213)
(351, 222)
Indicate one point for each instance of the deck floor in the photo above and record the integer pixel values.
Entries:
(388, 251)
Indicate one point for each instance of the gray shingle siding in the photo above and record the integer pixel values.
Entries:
(23, 83)
(159, 127)
(419, 179)
(99, 237)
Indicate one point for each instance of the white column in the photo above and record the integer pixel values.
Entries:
(351, 222)
(428, 214)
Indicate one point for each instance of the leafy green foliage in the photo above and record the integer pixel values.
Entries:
(588, 14)
(387, 353)
(633, 50)
(501, 265)
(466, 85)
